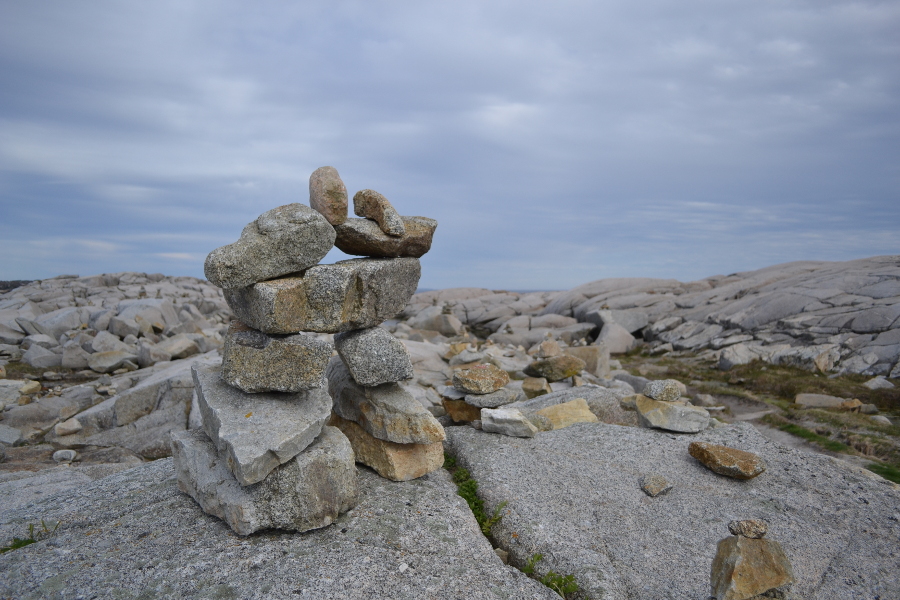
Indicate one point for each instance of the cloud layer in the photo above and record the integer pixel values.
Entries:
(555, 143)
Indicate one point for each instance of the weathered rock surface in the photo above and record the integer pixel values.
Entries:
(671, 416)
(480, 379)
(328, 195)
(507, 421)
(258, 432)
(749, 528)
(307, 492)
(350, 294)
(535, 386)
(388, 412)
(568, 413)
(615, 338)
(730, 462)
(283, 240)
(620, 544)
(253, 361)
(165, 546)
(664, 390)
(372, 205)
(397, 462)
(596, 358)
(374, 356)
(362, 237)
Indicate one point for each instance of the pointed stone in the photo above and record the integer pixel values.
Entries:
(387, 412)
(350, 294)
(397, 462)
(307, 492)
(257, 432)
(746, 568)
(283, 240)
(328, 194)
(254, 362)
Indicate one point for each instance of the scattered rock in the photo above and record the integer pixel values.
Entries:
(258, 432)
(372, 205)
(41, 358)
(555, 368)
(362, 237)
(65, 456)
(328, 195)
(671, 416)
(283, 240)
(596, 358)
(307, 492)
(535, 386)
(879, 383)
(374, 356)
(731, 462)
(548, 349)
(655, 485)
(253, 361)
(819, 401)
(9, 435)
(67, 427)
(397, 462)
(480, 379)
(615, 339)
(107, 362)
(881, 420)
(664, 390)
(350, 294)
(568, 413)
(507, 421)
(387, 412)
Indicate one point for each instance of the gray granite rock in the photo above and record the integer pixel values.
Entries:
(107, 362)
(374, 356)
(283, 240)
(362, 237)
(671, 416)
(665, 390)
(254, 362)
(139, 535)
(387, 412)
(372, 205)
(495, 399)
(630, 320)
(307, 492)
(507, 421)
(41, 358)
(328, 194)
(620, 544)
(258, 432)
(350, 294)
(615, 338)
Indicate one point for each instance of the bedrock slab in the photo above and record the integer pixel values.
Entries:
(136, 534)
(283, 240)
(362, 237)
(254, 361)
(307, 492)
(387, 411)
(836, 523)
(350, 294)
(258, 432)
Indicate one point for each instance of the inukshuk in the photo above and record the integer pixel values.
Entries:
(265, 457)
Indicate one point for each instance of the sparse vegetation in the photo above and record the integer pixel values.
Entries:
(35, 534)
(467, 488)
(887, 471)
(564, 585)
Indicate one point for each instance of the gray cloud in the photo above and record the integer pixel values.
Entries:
(555, 144)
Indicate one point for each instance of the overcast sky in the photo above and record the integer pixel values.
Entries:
(555, 143)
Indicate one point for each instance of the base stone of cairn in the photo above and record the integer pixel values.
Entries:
(307, 492)
(265, 458)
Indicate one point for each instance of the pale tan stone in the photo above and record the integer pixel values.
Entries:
(746, 567)
(397, 462)
(533, 387)
(461, 411)
(569, 413)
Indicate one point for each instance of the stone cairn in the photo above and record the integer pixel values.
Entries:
(271, 453)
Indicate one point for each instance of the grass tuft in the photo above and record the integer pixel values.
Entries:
(467, 488)
(34, 535)
(887, 471)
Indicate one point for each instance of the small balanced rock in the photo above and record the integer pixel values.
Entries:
(480, 379)
(730, 462)
(747, 566)
(372, 205)
(665, 390)
(328, 194)
(655, 485)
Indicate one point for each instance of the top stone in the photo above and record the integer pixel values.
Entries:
(328, 194)
(372, 205)
(283, 240)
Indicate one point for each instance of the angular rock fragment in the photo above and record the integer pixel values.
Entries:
(397, 462)
(480, 379)
(535, 386)
(749, 528)
(746, 568)
(387, 411)
(257, 432)
(664, 390)
(548, 349)
(350, 294)
(655, 485)
(374, 356)
(568, 413)
(362, 237)
(730, 462)
(615, 338)
(596, 358)
(372, 205)
(253, 361)
(507, 421)
(460, 410)
(671, 416)
(494, 399)
(328, 194)
(107, 362)
(555, 368)
(307, 492)
(283, 240)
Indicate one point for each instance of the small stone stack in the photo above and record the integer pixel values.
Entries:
(479, 386)
(265, 457)
(661, 406)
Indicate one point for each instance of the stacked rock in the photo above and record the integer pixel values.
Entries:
(479, 386)
(265, 457)
(661, 406)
